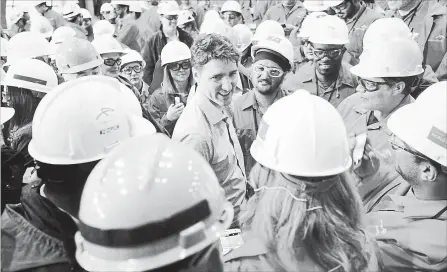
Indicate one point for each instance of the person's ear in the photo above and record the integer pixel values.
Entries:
(196, 73)
(399, 87)
(428, 171)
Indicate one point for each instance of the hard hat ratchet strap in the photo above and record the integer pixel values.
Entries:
(149, 232)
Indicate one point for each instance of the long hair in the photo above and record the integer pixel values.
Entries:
(24, 102)
(331, 236)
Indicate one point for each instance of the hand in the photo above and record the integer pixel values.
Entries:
(369, 163)
(174, 111)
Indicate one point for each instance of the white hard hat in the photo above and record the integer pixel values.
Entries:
(103, 27)
(15, 15)
(106, 7)
(423, 124)
(150, 203)
(42, 25)
(6, 114)
(4, 44)
(71, 10)
(75, 55)
(315, 5)
(83, 119)
(41, 2)
(231, 5)
(86, 14)
(107, 44)
(61, 34)
(278, 44)
(135, 7)
(168, 8)
(132, 56)
(27, 45)
(390, 58)
(308, 24)
(221, 28)
(120, 2)
(330, 30)
(174, 51)
(31, 74)
(244, 36)
(211, 15)
(386, 29)
(313, 143)
(333, 3)
(267, 28)
(184, 17)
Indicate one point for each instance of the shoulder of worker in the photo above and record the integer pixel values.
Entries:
(244, 101)
(25, 247)
(349, 106)
(370, 15)
(435, 9)
(250, 249)
(192, 121)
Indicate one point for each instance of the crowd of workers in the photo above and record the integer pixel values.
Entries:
(225, 136)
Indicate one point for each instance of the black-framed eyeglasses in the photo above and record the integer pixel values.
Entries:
(128, 70)
(111, 62)
(343, 5)
(395, 146)
(185, 65)
(371, 86)
(171, 17)
(273, 72)
(229, 16)
(332, 53)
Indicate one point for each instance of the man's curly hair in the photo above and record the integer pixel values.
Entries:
(212, 46)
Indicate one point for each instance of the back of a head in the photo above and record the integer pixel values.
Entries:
(75, 55)
(152, 171)
(103, 27)
(303, 186)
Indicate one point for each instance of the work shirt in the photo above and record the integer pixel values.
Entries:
(55, 18)
(357, 26)
(410, 232)
(129, 33)
(428, 23)
(305, 78)
(359, 121)
(279, 13)
(206, 127)
(260, 8)
(247, 117)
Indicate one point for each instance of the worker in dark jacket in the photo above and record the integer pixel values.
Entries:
(168, 32)
(38, 233)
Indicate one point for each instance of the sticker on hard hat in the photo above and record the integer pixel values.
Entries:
(263, 127)
(30, 79)
(109, 129)
(438, 137)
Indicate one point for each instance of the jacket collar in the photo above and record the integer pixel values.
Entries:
(419, 209)
(249, 99)
(358, 14)
(211, 110)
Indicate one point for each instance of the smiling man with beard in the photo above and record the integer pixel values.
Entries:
(327, 76)
(273, 58)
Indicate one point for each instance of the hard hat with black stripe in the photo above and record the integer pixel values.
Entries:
(152, 204)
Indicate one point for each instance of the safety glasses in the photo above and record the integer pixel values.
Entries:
(371, 86)
(111, 62)
(177, 65)
(229, 16)
(171, 17)
(332, 54)
(273, 72)
(396, 146)
(128, 70)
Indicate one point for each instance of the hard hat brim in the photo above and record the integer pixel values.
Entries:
(368, 71)
(6, 114)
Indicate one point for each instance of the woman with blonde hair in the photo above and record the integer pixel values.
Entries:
(306, 214)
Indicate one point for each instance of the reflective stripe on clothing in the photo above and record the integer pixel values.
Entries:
(202, 125)
(305, 78)
(247, 118)
(356, 121)
(409, 237)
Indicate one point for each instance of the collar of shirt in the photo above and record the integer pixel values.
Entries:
(419, 209)
(344, 76)
(249, 99)
(212, 111)
(357, 15)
